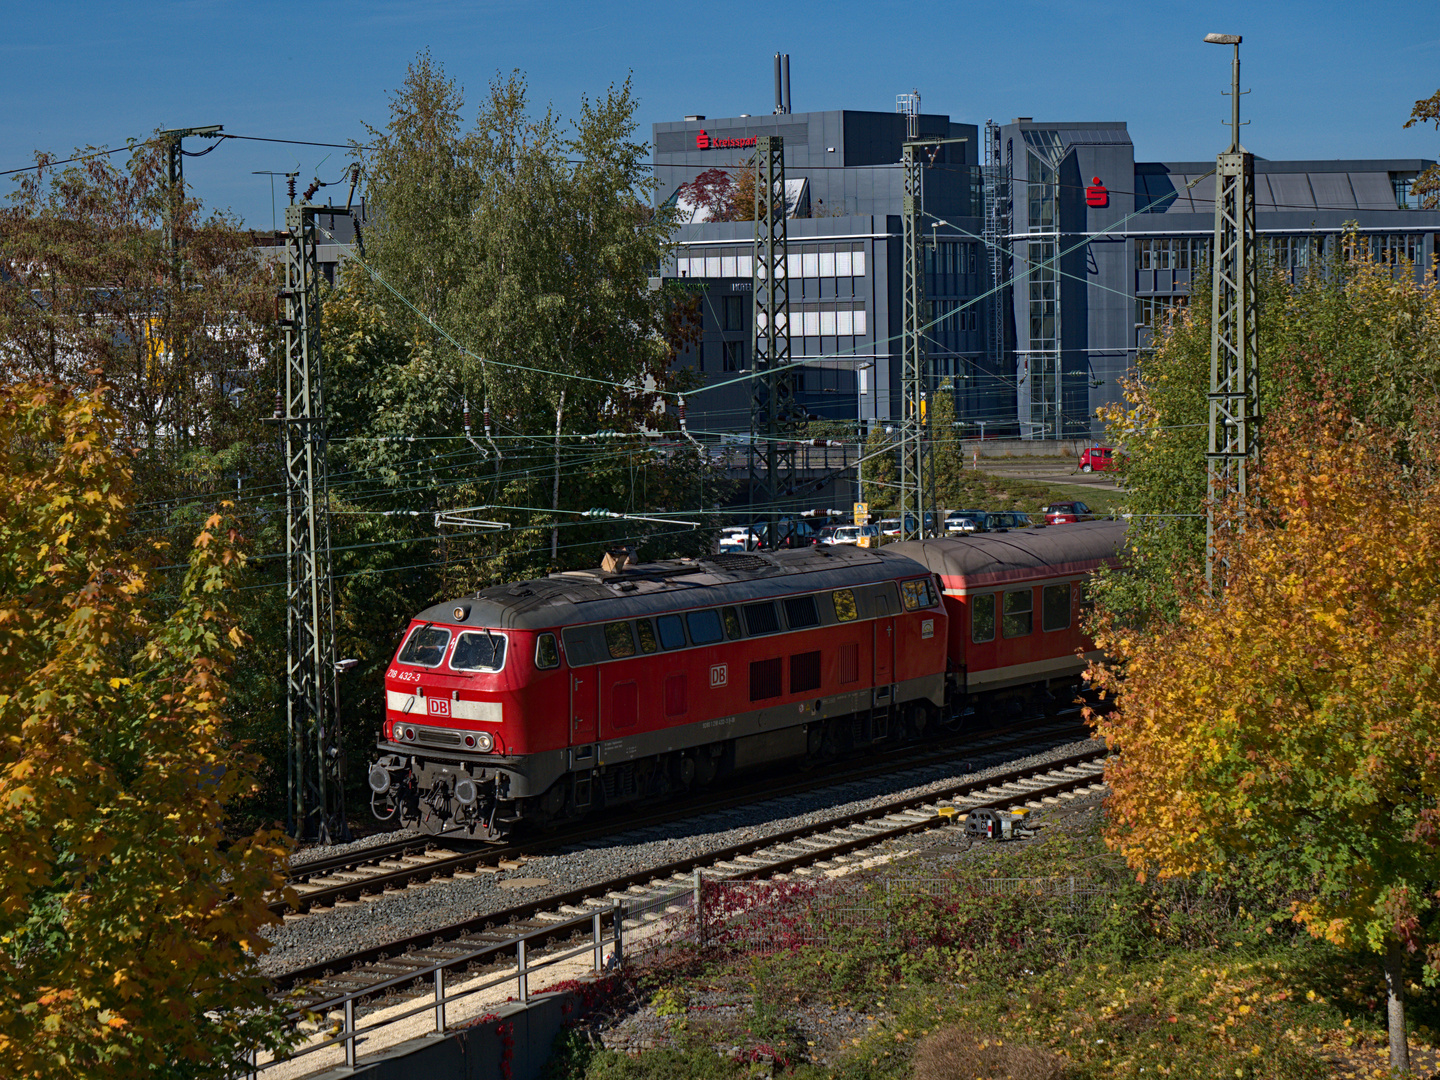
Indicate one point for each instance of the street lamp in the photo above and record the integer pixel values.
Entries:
(1231, 39)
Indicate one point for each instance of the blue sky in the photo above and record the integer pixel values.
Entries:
(1328, 79)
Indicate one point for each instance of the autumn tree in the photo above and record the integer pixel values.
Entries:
(1287, 731)
(128, 919)
(882, 469)
(1427, 184)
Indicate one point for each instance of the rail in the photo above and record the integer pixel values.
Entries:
(350, 1031)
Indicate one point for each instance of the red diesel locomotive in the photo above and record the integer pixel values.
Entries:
(542, 700)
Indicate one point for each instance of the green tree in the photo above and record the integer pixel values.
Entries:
(1287, 731)
(945, 454)
(882, 470)
(129, 919)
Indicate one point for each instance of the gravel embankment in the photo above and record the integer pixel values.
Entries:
(309, 939)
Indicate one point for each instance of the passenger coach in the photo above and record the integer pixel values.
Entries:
(543, 699)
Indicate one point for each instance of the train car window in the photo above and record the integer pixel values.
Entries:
(732, 623)
(761, 619)
(624, 702)
(1055, 607)
(800, 612)
(547, 655)
(425, 647)
(982, 618)
(850, 662)
(844, 601)
(646, 633)
(917, 594)
(765, 679)
(677, 694)
(672, 632)
(1017, 620)
(804, 672)
(704, 627)
(619, 640)
(1084, 602)
(478, 652)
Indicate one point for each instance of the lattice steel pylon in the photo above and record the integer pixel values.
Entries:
(316, 794)
(773, 412)
(1234, 446)
(914, 368)
(997, 196)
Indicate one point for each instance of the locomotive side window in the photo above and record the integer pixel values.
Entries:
(479, 652)
(547, 655)
(804, 672)
(704, 627)
(765, 679)
(425, 647)
(844, 601)
(982, 618)
(761, 619)
(1017, 621)
(800, 612)
(619, 640)
(732, 623)
(646, 633)
(672, 632)
(917, 594)
(1055, 607)
(850, 662)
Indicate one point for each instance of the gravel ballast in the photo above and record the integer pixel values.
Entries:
(350, 927)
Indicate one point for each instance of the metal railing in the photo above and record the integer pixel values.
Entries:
(350, 1031)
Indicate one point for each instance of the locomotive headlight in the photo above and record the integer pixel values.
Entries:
(484, 742)
(409, 734)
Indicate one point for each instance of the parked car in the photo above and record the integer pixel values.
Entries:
(789, 533)
(735, 538)
(1005, 520)
(966, 521)
(891, 526)
(1067, 513)
(826, 535)
(860, 535)
(1097, 458)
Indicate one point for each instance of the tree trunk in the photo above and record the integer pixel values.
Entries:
(1395, 1006)
(555, 489)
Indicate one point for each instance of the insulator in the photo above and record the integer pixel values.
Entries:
(279, 405)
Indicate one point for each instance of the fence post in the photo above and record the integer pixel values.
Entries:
(699, 907)
(889, 913)
(350, 1032)
(599, 944)
(617, 914)
(524, 973)
(440, 1001)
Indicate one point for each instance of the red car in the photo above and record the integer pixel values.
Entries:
(1097, 458)
(1067, 513)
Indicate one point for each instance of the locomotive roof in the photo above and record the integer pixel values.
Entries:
(992, 557)
(585, 596)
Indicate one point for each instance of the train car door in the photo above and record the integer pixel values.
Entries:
(584, 699)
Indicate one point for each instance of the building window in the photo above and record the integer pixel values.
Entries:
(1159, 312)
(732, 355)
(733, 310)
(700, 356)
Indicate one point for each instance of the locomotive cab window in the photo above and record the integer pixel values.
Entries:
(982, 618)
(478, 652)
(732, 623)
(844, 601)
(917, 594)
(672, 632)
(1017, 620)
(619, 640)
(1055, 607)
(547, 654)
(646, 633)
(704, 627)
(761, 618)
(800, 612)
(425, 647)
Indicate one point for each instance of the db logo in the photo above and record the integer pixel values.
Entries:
(719, 675)
(702, 142)
(439, 706)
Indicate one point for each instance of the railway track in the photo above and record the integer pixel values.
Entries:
(807, 849)
(418, 859)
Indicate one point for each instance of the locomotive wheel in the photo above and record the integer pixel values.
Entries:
(917, 721)
(685, 770)
(707, 766)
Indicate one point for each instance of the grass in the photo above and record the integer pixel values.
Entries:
(1175, 980)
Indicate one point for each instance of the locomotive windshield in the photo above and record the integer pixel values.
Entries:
(425, 647)
(479, 652)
